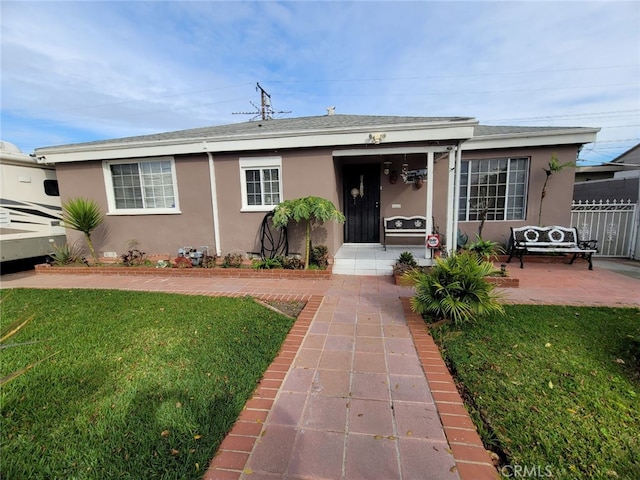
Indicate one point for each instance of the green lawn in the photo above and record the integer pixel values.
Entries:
(144, 385)
(552, 389)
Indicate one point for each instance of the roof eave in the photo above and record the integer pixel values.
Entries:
(395, 133)
(569, 136)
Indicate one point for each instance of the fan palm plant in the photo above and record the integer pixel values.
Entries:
(83, 215)
(455, 289)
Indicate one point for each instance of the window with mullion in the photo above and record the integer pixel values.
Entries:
(494, 188)
(143, 185)
(263, 186)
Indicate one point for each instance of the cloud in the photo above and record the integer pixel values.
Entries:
(78, 71)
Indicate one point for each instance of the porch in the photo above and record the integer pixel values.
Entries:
(372, 259)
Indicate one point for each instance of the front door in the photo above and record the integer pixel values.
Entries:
(361, 188)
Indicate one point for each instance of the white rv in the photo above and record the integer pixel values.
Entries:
(30, 210)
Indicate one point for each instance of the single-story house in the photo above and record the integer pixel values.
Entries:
(213, 186)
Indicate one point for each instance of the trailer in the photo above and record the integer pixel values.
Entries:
(30, 208)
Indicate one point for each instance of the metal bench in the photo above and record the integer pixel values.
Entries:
(404, 227)
(530, 239)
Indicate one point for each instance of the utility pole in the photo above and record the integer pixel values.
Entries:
(264, 110)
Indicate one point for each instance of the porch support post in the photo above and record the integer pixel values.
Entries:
(456, 198)
(450, 232)
(428, 252)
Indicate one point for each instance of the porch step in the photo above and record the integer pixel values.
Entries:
(371, 259)
(352, 266)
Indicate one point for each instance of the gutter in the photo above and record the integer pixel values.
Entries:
(266, 141)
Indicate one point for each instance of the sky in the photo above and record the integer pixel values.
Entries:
(80, 71)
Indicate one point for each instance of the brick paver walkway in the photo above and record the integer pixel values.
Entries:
(359, 389)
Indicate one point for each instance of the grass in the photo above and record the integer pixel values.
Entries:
(144, 385)
(555, 387)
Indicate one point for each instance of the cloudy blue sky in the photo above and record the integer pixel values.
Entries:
(85, 70)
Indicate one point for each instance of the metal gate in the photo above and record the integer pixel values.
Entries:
(613, 223)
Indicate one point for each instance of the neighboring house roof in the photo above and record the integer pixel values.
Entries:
(630, 157)
(621, 163)
(320, 131)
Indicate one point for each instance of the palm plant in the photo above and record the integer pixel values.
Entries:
(455, 289)
(554, 166)
(485, 249)
(83, 215)
(311, 210)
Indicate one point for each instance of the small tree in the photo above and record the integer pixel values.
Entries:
(83, 215)
(553, 167)
(312, 210)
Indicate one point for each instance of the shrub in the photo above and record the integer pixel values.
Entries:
(319, 256)
(232, 260)
(485, 249)
(209, 261)
(455, 289)
(133, 258)
(406, 261)
(291, 263)
(182, 262)
(66, 254)
(266, 264)
(407, 258)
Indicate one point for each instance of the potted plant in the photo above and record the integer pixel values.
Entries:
(405, 262)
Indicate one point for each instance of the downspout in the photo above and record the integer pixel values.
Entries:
(456, 197)
(214, 204)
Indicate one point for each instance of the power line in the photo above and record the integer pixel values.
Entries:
(429, 94)
(491, 74)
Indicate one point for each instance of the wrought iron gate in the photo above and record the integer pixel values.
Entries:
(613, 223)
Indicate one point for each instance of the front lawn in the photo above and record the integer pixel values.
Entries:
(143, 385)
(558, 388)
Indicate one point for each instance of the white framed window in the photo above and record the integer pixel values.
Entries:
(495, 187)
(141, 187)
(260, 183)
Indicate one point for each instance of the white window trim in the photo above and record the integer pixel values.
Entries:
(108, 182)
(249, 163)
(506, 195)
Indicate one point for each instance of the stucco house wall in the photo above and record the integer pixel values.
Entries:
(304, 173)
(156, 234)
(313, 154)
(557, 203)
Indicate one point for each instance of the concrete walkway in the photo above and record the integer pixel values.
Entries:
(359, 389)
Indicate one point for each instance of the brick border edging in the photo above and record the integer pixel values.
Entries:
(219, 272)
(229, 461)
(472, 459)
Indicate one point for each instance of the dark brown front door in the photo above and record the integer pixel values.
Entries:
(361, 209)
